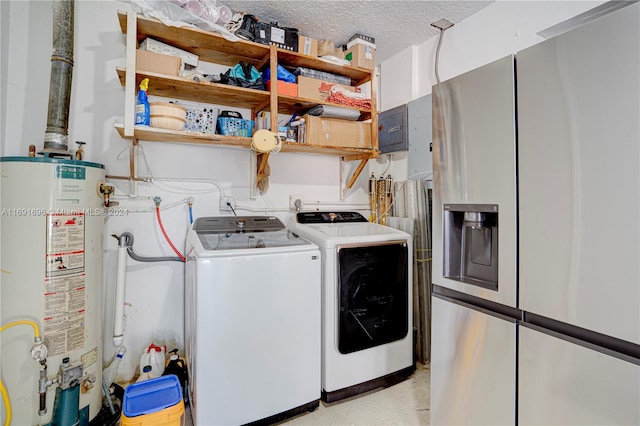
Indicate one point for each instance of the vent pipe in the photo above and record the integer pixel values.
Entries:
(55, 137)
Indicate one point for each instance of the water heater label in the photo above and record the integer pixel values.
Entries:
(70, 172)
(64, 284)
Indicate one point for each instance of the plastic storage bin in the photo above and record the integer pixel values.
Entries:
(153, 402)
(201, 119)
(235, 127)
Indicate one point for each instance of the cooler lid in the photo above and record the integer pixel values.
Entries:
(151, 396)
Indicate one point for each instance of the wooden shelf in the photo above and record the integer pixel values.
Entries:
(294, 59)
(223, 94)
(212, 47)
(209, 46)
(152, 134)
(212, 93)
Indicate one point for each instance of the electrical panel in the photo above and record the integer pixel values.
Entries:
(392, 130)
(420, 136)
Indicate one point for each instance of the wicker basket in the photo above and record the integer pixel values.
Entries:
(167, 116)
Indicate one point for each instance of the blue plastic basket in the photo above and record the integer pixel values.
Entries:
(151, 396)
(235, 127)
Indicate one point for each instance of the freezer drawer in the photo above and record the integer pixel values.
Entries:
(579, 176)
(562, 383)
(473, 371)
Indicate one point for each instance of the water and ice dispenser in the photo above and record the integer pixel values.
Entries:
(471, 244)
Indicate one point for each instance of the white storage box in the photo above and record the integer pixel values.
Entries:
(156, 46)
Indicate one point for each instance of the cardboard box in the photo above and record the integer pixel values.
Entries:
(155, 62)
(156, 46)
(284, 88)
(312, 88)
(332, 132)
(307, 45)
(361, 56)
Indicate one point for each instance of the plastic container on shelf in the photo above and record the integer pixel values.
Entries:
(210, 10)
(195, 7)
(201, 119)
(224, 14)
(235, 127)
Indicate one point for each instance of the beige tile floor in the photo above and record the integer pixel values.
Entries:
(406, 404)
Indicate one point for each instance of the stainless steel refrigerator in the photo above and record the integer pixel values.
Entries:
(536, 236)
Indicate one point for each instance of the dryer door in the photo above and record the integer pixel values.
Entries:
(373, 292)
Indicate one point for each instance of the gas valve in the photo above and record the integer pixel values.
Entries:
(106, 191)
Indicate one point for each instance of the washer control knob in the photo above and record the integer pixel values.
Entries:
(241, 223)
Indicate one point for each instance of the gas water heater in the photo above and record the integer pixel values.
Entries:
(51, 273)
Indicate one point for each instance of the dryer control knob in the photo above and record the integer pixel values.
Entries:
(241, 223)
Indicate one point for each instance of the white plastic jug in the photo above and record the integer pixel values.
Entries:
(152, 362)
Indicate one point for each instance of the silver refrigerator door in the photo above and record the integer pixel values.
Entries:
(579, 176)
(474, 172)
(562, 383)
(473, 367)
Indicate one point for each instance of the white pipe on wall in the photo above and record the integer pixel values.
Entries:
(118, 322)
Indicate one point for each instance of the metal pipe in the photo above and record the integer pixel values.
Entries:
(55, 137)
(42, 388)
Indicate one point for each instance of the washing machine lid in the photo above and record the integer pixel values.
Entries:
(327, 229)
(244, 232)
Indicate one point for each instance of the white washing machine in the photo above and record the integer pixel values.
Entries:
(252, 321)
(367, 305)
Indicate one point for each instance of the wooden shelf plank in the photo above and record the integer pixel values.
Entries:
(212, 93)
(223, 94)
(326, 150)
(152, 134)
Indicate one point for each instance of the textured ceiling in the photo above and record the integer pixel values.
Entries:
(395, 24)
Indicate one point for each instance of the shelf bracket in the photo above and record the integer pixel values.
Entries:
(133, 172)
(354, 176)
(263, 160)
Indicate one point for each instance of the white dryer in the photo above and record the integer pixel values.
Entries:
(252, 321)
(367, 305)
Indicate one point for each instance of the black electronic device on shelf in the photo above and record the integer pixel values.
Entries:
(284, 38)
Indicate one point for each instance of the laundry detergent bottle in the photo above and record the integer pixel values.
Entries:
(142, 105)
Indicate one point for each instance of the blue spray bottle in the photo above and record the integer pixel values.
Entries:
(142, 105)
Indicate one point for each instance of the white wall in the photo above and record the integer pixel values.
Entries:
(154, 291)
(502, 28)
